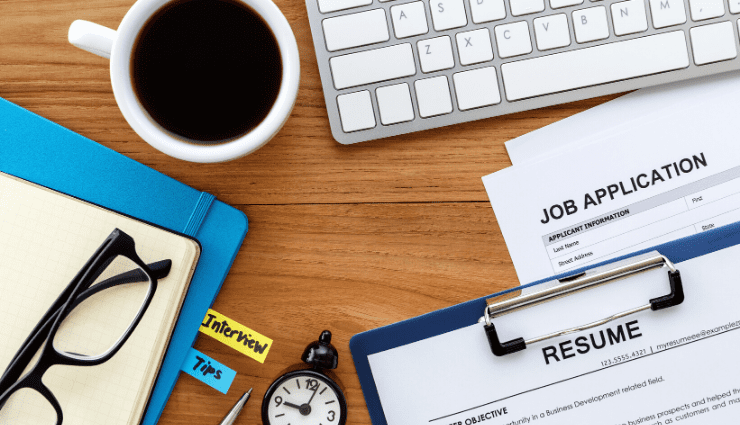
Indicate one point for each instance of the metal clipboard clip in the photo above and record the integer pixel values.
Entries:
(576, 283)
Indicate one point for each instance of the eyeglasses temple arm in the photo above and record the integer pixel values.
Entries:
(31, 345)
(160, 270)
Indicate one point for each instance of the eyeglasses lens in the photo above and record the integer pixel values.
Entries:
(95, 326)
(27, 407)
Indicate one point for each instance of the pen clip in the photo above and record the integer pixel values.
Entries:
(578, 282)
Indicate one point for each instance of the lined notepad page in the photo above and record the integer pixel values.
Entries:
(45, 238)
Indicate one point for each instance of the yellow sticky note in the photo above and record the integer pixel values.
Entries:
(236, 335)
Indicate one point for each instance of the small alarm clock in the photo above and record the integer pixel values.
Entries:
(307, 396)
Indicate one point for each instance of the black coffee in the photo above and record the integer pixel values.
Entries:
(208, 70)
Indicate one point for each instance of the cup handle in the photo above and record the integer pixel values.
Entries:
(92, 37)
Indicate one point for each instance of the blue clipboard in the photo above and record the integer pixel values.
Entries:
(462, 315)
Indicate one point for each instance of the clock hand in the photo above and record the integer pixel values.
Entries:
(304, 410)
(314, 395)
(291, 405)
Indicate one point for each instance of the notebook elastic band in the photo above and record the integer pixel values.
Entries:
(199, 213)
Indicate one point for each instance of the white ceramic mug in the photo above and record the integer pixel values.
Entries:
(118, 47)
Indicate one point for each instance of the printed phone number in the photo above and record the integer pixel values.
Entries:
(623, 358)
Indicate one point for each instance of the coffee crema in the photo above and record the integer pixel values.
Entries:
(207, 70)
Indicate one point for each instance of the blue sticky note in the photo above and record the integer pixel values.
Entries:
(209, 371)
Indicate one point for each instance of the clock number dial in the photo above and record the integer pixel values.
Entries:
(309, 401)
(312, 384)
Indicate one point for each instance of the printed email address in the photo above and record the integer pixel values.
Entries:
(699, 335)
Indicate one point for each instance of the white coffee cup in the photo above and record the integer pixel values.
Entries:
(118, 47)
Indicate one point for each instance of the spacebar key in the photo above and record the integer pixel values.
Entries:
(595, 65)
(372, 66)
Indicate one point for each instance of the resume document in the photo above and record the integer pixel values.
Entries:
(674, 366)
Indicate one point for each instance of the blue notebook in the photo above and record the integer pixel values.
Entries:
(466, 314)
(35, 149)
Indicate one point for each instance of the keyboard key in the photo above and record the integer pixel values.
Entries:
(474, 46)
(372, 66)
(629, 17)
(326, 6)
(433, 96)
(513, 39)
(706, 9)
(435, 54)
(734, 6)
(409, 19)
(595, 65)
(476, 88)
(552, 32)
(668, 12)
(448, 14)
(356, 111)
(394, 104)
(358, 29)
(525, 7)
(488, 10)
(590, 24)
(556, 4)
(713, 43)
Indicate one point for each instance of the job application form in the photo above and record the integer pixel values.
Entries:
(673, 366)
(644, 186)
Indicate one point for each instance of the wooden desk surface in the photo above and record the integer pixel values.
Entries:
(346, 238)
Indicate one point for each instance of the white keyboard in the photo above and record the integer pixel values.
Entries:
(390, 67)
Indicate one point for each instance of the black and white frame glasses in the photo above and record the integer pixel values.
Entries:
(86, 326)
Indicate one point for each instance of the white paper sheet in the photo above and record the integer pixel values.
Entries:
(681, 367)
(655, 105)
(622, 193)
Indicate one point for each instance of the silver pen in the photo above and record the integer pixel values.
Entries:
(230, 417)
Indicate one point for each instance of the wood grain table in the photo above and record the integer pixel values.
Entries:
(346, 238)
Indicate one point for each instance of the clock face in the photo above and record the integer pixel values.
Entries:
(304, 397)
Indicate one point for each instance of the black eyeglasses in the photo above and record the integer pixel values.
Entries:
(86, 325)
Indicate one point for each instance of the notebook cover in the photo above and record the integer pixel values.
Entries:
(461, 315)
(36, 149)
